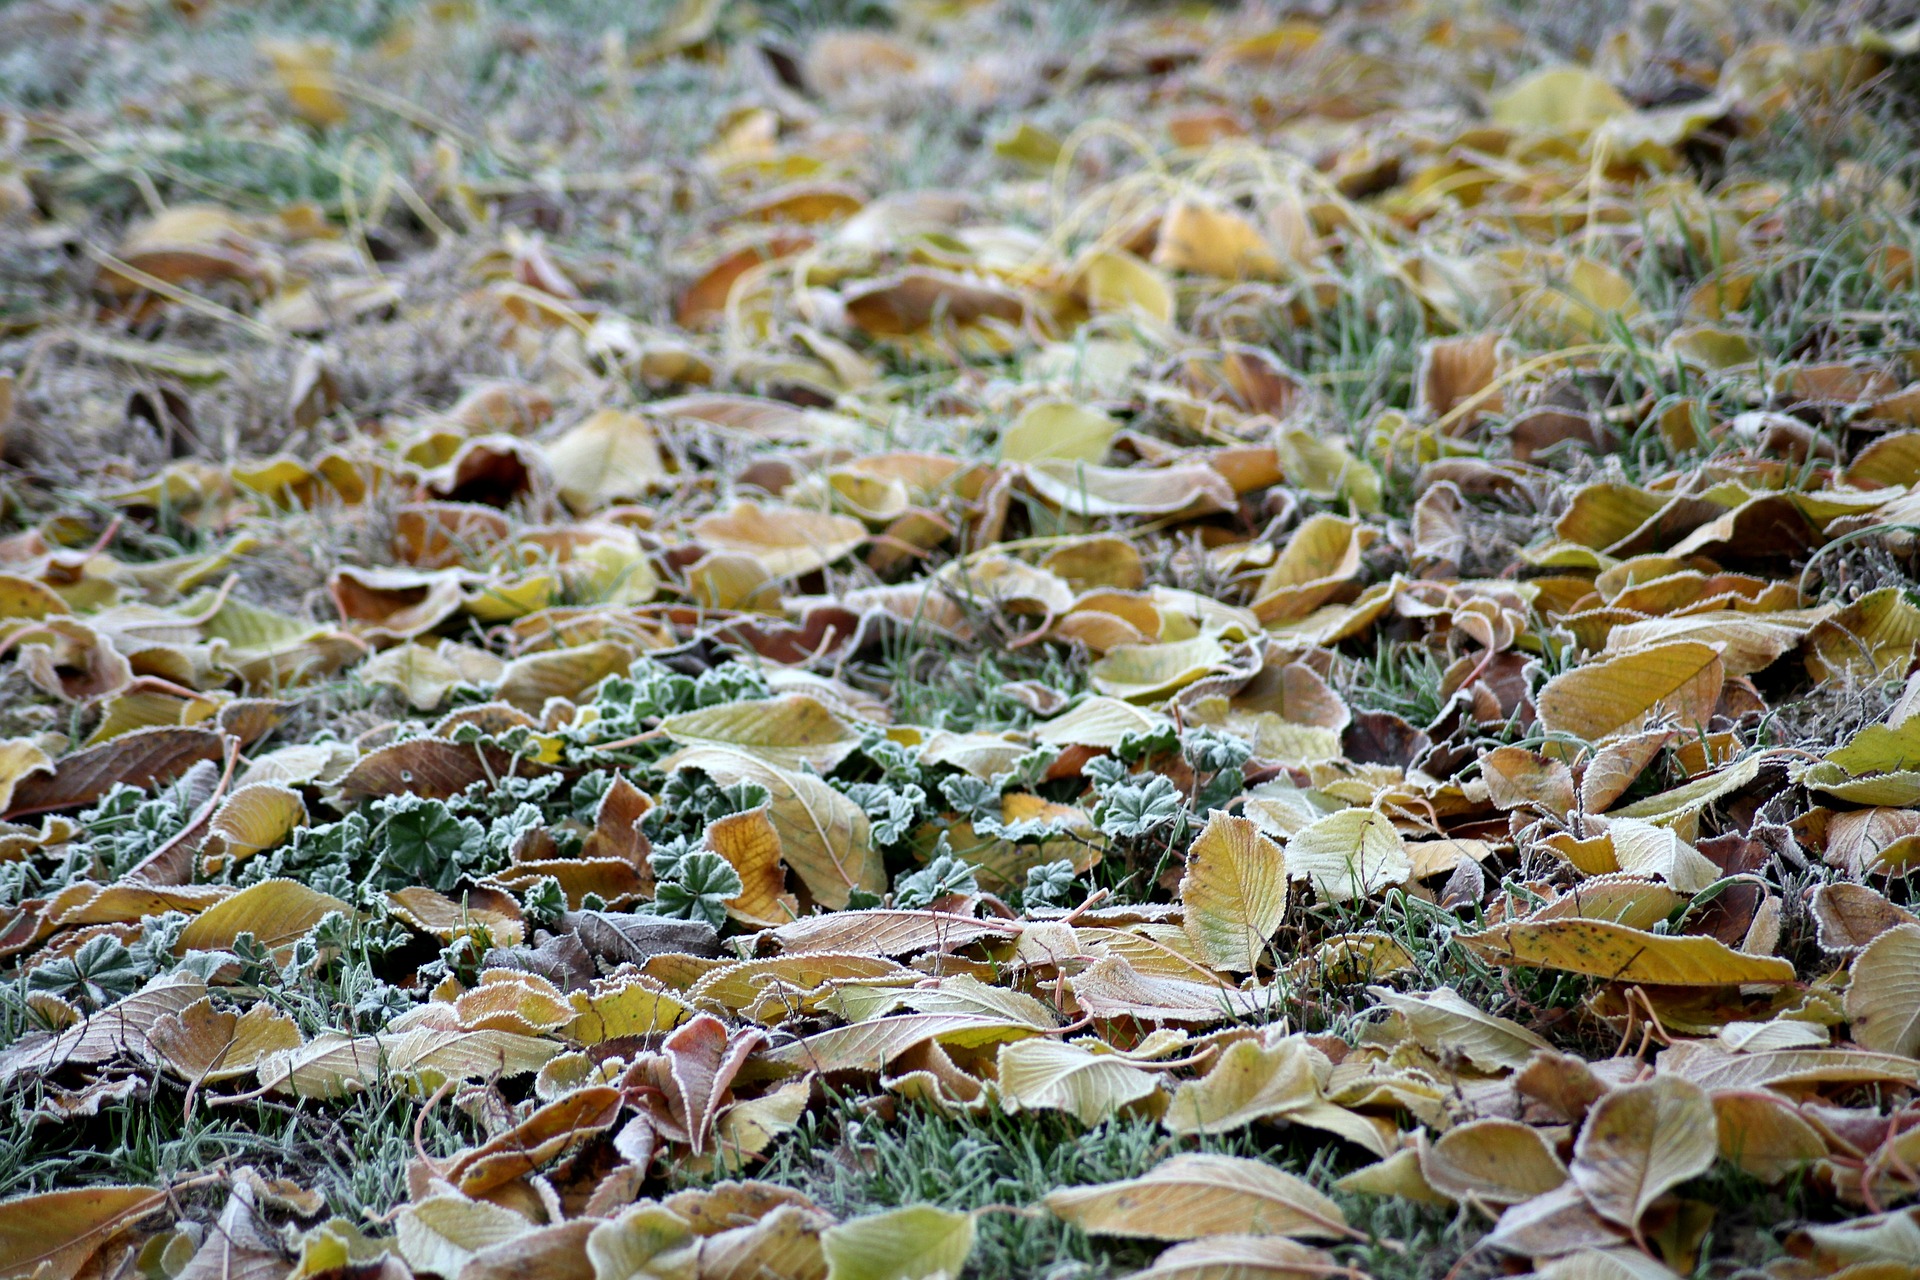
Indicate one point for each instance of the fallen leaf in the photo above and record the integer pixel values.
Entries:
(1883, 998)
(1190, 1196)
(1621, 954)
(1348, 855)
(1234, 892)
(1639, 1142)
(1624, 694)
(1037, 1075)
(918, 1242)
(56, 1233)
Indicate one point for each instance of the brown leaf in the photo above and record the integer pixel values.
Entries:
(430, 767)
(144, 758)
(55, 1233)
(547, 1135)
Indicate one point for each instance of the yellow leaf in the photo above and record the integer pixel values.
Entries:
(1200, 240)
(415, 672)
(276, 912)
(1492, 1161)
(25, 598)
(1057, 429)
(1603, 1264)
(1570, 99)
(20, 758)
(1324, 467)
(960, 993)
(771, 988)
(332, 1065)
(1145, 672)
(872, 498)
(787, 541)
(1239, 1258)
(1115, 280)
(1879, 765)
(826, 837)
(1348, 855)
(1249, 1081)
(1710, 346)
(445, 919)
(1620, 954)
(1883, 996)
(1639, 1142)
(1443, 1023)
(442, 1233)
(513, 1000)
(305, 70)
(1640, 848)
(1099, 722)
(646, 1242)
(1084, 489)
(1397, 1175)
(1762, 1134)
(208, 1045)
(613, 456)
(1866, 638)
(1517, 777)
(872, 1046)
(790, 731)
(918, 1242)
(504, 599)
(1321, 562)
(1029, 146)
(1233, 893)
(1748, 642)
(1622, 694)
(617, 1008)
(257, 816)
(1043, 1074)
(1191, 1196)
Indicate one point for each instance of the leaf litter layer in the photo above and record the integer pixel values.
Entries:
(911, 639)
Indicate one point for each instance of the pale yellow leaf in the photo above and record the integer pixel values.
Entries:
(1249, 1081)
(1492, 1161)
(1049, 1075)
(1234, 892)
(442, 1233)
(918, 1242)
(1444, 1023)
(1057, 429)
(1191, 1196)
(1348, 855)
(1883, 995)
(791, 731)
(613, 456)
(275, 912)
(1639, 1142)
(1620, 954)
